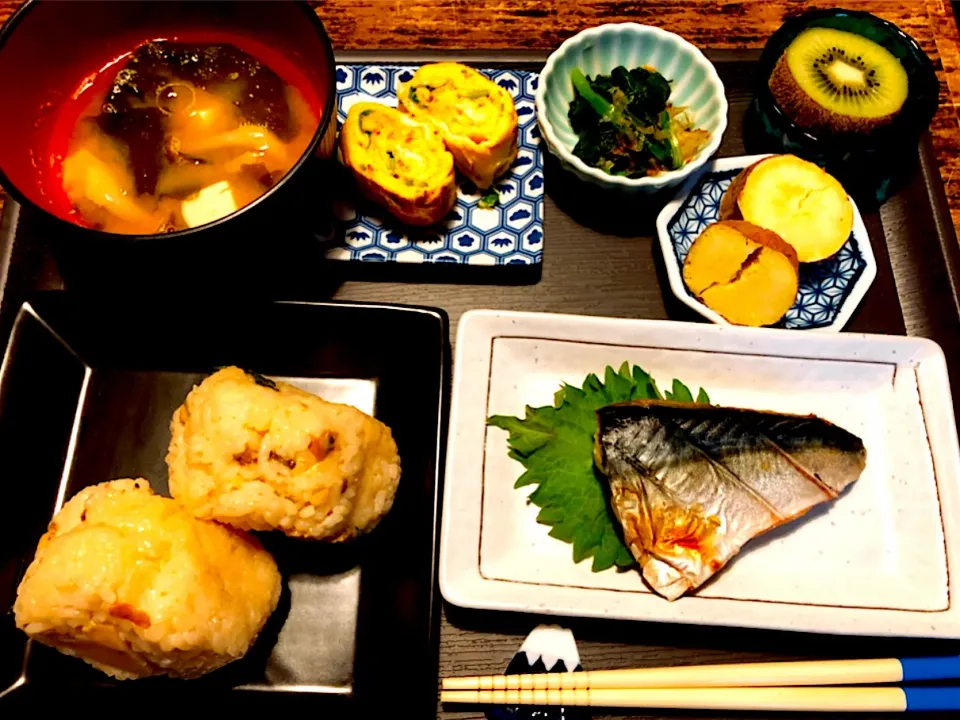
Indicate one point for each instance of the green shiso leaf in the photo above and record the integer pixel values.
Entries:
(555, 445)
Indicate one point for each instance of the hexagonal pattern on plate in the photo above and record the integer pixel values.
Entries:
(484, 219)
(501, 243)
(532, 240)
(482, 259)
(533, 186)
(467, 241)
(518, 259)
(519, 215)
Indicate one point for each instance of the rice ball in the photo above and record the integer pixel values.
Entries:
(261, 455)
(136, 586)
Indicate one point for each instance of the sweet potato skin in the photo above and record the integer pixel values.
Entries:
(729, 209)
(767, 238)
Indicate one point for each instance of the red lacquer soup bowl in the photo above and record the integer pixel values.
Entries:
(54, 54)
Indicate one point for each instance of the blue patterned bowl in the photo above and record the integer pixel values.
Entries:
(693, 79)
(830, 290)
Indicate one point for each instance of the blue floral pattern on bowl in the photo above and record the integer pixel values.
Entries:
(829, 291)
(509, 234)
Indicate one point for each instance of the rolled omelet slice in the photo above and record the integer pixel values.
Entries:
(476, 117)
(399, 163)
(133, 584)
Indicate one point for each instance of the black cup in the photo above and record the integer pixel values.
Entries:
(871, 165)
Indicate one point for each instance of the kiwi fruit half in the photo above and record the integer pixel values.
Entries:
(836, 80)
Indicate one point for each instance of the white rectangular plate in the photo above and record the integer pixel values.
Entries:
(881, 560)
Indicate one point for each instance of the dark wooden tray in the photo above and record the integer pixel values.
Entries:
(601, 259)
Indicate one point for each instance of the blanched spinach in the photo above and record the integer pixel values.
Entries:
(622, 121)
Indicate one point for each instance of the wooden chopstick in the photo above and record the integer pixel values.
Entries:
(794, 699)
(828, 672)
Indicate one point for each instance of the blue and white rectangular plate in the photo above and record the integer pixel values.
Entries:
(510, 234)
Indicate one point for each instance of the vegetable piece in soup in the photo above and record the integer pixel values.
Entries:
(184, 135)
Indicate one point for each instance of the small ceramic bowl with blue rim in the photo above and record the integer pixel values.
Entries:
(830, 290)
(694, 84)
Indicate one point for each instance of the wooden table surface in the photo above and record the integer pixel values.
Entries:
(473, 642)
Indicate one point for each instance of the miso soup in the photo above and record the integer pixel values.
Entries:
(181, 135)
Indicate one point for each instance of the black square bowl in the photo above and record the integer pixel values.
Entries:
(87, 390)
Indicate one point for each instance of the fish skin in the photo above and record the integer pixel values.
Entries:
(692, 483)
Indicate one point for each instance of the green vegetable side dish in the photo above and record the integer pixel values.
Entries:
(490, 200)
(555, 445)
(627, 127)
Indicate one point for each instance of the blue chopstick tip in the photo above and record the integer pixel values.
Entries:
(932, 699)
(930, 668)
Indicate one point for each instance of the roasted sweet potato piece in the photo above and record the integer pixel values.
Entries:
(741, 271)
(797, 200)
